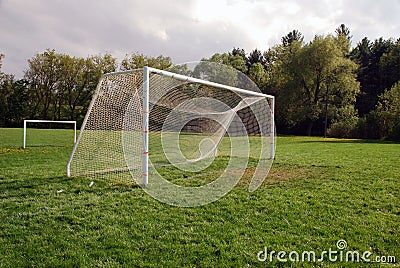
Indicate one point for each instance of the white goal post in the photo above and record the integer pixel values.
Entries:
(48, 121)
(124, 108)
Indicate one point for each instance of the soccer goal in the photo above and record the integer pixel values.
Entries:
(48, 122)
(144, 118)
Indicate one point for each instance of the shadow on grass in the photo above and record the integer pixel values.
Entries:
(7, 185)
(336, 140)
(49, 145)
(34, 187)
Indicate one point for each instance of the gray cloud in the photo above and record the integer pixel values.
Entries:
(185, 30)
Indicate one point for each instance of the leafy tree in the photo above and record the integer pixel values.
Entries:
(90, 71)
(237, 60)
(309, 76)
(234, 59)
(43, 75)
(346, 123)
(63, 85)
(70, 85)
(217, 70)
(136, 60)
(258, 74)
(388, 113)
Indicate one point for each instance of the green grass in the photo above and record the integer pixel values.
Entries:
(318, 191)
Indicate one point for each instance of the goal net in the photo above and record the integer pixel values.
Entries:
(183, 118)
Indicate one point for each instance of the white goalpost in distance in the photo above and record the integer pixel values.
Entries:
(48, 121)
(147, 117)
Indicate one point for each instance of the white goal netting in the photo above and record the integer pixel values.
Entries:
(191, 124)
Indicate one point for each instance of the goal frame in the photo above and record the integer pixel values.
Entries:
(146, 112)
(47, 121)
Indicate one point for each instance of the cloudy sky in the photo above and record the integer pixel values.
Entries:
(185, 30)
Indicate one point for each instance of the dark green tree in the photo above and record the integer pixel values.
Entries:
(372, 80)
(256, 56)
(389, 66)
(239, 52)
(1, 61)
(292, 36)
(15, 100)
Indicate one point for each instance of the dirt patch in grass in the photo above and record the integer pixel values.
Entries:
(277, 174)
(12, 150)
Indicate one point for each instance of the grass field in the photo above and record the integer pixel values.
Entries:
(318, 192)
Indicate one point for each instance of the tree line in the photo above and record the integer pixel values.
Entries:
(322, 87)
(60, 87)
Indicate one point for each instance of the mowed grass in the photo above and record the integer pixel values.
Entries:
(318, 191)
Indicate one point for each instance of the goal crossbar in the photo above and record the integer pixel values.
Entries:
(189, 79)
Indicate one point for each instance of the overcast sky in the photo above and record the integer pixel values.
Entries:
(185, 30)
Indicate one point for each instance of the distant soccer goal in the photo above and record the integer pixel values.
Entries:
(144, 118)
(47, 122)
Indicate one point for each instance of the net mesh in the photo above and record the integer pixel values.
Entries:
(99, 151)
(190, 125)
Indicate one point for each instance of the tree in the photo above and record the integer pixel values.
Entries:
(389, 66)
(63, 85)
(217, 70)
(388, 113)
(230, 69)
(239, 52)
(342, 30)
(80, 79)
(292, 36)
(1, 62)
(136, 60)
(372, 80)
(256, 56)
(235, 59)
(71, 69)
(362, 52)
(311, 74)
(43, 76)
(258, 74)
(15, 103)
(14, 99)
(5, 92)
